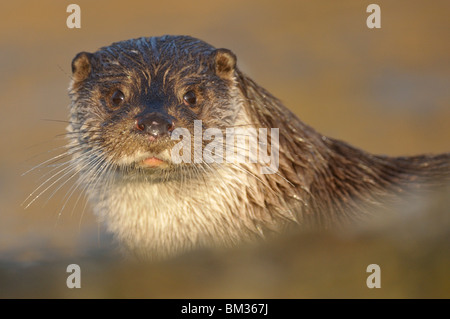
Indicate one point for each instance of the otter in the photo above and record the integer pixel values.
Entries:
(128, 99)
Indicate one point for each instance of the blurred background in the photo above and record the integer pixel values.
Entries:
(383, 90)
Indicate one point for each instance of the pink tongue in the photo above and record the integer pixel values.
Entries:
(153, 161)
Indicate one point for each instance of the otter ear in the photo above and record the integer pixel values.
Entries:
(81, 66)
(224, 63)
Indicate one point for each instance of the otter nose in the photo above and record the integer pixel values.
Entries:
(154, 124)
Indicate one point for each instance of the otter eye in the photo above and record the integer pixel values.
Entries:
(117, 98)
(189, 98)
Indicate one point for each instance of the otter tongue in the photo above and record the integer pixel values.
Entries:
(153, 161)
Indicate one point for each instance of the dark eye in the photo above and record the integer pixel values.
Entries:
(189, 98)
(117, 98)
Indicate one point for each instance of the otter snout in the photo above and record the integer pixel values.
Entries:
(155, 124)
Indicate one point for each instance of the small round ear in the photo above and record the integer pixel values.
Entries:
(81, 66)
(224, 63)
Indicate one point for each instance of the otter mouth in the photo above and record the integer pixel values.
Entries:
(144, 159)
(154, 162)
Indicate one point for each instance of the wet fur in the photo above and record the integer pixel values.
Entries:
(321, 182)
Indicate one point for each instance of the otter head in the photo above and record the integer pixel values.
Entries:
(129, 98)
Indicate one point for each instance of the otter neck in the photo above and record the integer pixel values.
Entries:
(334, 182)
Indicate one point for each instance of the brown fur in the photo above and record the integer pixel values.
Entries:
(321, 182)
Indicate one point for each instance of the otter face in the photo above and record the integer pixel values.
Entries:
(128, 98)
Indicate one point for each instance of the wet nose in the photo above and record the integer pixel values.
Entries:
(154, 124)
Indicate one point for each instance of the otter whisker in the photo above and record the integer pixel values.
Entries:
(89, 185)
(68, 169)
(92, 165)
(57, 157)
(60, 186)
